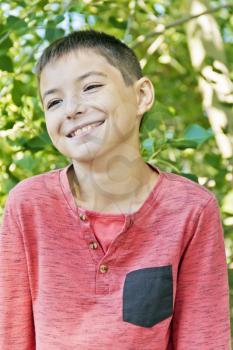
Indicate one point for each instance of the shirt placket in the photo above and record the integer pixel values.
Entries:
(103, 262)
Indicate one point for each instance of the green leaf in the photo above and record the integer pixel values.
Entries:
(117, 23)
(15, 23)
(198, 134)
(21, 89)
(52, 33)
(7, 185)
(6, 63)
(213, 159)
(20, 141)
(18, 91)
(27, 163)
(2, 29)
(5, 45)
(41, 3)
(8, 123)
(58, 19)
(38, 142)
(183, 143)
(190, 176)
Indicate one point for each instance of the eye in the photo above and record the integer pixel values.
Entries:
(93, 86)
(52, 103)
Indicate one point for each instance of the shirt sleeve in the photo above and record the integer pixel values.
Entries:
(16, 317)
(201, 317)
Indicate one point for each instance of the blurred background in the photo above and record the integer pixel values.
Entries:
(184, 46)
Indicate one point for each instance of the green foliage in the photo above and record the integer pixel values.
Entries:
(175, 133)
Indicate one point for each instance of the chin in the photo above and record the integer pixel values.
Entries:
(85, 157)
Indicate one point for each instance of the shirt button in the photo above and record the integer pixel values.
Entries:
(93, 245)
(83, 217)
(103, 268)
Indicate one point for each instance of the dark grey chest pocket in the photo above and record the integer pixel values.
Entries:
(148, 296)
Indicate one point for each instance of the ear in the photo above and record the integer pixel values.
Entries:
(145, 95)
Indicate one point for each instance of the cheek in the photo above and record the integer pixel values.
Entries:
(121, 104)
(126, 108)
(123, 122)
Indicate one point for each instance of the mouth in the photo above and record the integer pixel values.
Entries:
(85, 130)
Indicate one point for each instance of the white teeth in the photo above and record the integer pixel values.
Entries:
(85, 128)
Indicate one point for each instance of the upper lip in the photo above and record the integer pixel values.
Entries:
(82, 126)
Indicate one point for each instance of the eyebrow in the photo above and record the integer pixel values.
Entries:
(80, 78)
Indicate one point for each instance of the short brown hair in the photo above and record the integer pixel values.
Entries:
(115, 51)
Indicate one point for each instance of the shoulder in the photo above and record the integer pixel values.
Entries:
(186, 190)
(35, 186)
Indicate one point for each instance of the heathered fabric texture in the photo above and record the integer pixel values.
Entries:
(166, 284)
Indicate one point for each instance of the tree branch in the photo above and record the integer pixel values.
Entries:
(176, 23)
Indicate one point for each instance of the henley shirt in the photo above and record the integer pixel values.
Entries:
(78, 279)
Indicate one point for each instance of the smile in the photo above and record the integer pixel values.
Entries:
(85, 130)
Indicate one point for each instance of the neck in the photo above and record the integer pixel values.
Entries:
(114, 178)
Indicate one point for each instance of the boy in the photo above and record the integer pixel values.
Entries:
(108, 252)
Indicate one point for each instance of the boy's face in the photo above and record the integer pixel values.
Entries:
(83, 88)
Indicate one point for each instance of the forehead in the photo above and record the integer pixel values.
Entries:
(77, 63)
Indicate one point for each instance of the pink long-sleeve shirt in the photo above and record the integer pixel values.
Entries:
(77, 279)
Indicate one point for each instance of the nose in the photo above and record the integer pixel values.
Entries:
(74, 108)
